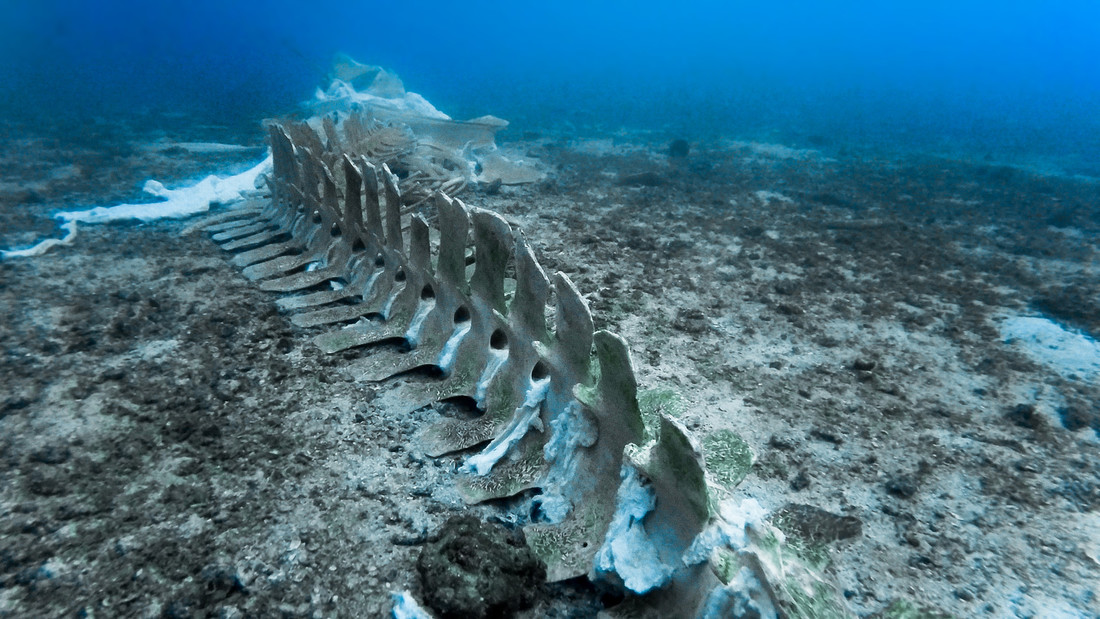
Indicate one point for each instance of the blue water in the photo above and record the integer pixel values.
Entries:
(1000, 78)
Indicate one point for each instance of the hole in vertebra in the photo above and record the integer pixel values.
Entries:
(399, 276)
(540, 371)
(460, 406)
(462, 315)
(379, 261)
(357, 245)
(316, 217)
(335, 231)
(427, 293)
(498, 340)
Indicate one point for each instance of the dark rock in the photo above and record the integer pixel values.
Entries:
(51, 454)
(679, 149)
(864, 365)
(921, 561)
(901, 486)
(790, 309)
(690, 321)
(1025, 416)
(781, 442)
(1075, 417)
(826, 435)
(13, 403)
(46, 482)
(222, 579)
(112, 374)
(800, 481)
(476, 569)
(786, 287)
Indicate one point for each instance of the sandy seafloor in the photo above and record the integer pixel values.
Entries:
(170, 445)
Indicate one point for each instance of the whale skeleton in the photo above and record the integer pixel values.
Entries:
(622, 493)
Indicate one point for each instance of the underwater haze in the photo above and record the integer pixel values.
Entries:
(750, 309)
(1001, 79)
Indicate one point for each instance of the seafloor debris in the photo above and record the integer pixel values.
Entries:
(624, 495)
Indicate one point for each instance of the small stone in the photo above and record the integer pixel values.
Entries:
(864, 365)
(826, 435)
(790, 309)
(781, 442)
(901, 486)
(51, 454)
(1025, 416)
(46, 482)
(679, 149)
(800, 481)
(690, 321)
(1075, 418)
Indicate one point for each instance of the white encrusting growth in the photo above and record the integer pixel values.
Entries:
(497, 357)
(369, 286)
(405, 606)
(524, 418)
(627, 548)
(43, 246)
(569, 432)
(1070, 353)
(743, 596)
(412, 334)
(388, 307)
(182, 202)
(730, 530)
(446, 359)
